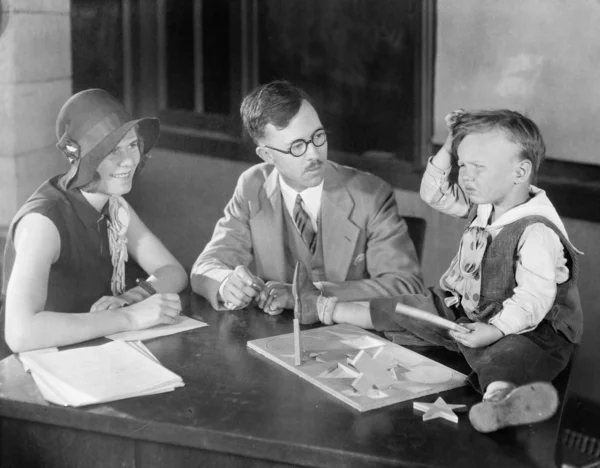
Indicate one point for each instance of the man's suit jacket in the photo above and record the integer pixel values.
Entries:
(366, 247)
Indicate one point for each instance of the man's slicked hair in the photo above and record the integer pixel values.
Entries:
(519, 129)
(274, 103)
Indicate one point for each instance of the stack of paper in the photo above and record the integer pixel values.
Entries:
(181, 324)
(98, 374)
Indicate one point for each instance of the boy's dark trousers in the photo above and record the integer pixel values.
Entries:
(538, 355)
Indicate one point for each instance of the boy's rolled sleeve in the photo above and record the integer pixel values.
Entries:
(439, 193)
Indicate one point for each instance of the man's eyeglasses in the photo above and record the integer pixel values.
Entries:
(299, 147)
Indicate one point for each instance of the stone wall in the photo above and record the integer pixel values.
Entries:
(35, 80)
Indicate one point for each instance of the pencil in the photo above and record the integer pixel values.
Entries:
(431, 318)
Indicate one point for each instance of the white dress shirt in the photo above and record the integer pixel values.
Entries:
(311, 200)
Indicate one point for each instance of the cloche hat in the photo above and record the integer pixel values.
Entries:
(89, 126)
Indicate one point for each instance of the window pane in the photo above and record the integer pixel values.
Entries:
(97, 46)
(179, 23)
(216, 54)
(355, 58)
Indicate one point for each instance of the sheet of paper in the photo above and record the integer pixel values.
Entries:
(49, 393)
(101, 373)
(182, 323)
(141, 347)
(31, 353)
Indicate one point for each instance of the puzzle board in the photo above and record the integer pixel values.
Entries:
(326, 363)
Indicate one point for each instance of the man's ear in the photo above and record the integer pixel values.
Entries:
(523, 172)
(264, 154)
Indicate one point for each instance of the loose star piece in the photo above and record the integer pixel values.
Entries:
(439, 409)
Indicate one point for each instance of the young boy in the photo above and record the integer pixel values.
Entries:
(512, 282)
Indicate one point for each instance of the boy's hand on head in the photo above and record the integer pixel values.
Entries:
(452, 117)
(482, 334)
(450, 120)
(443, 159)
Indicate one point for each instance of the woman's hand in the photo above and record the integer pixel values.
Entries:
(156, 310)
(109, 302)
(133, 296)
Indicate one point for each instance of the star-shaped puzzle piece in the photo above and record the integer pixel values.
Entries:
(373, 372)
(439, 409)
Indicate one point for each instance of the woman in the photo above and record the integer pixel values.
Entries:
(64, 272)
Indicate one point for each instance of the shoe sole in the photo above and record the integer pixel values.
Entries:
(526, 404)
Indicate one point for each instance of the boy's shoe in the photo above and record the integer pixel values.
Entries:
(526, 404)
(305, 296)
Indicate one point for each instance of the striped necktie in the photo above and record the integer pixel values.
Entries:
(302, 220)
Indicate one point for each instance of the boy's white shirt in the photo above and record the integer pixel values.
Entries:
(541, 263)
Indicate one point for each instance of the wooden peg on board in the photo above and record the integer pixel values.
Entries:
(297, 343)
(297, 314)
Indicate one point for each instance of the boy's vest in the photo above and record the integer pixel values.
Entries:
(498, 279)
(295, 249)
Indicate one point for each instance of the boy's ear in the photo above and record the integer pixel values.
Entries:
(523, 172)
(264, 154)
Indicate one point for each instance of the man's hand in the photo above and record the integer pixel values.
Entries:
(109, 302)
(240, 287)
(275, 297)
(157, 309)
(482, 334)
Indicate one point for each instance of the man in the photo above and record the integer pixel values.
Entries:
(342, 224)
(64, 272)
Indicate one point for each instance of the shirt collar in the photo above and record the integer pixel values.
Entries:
(86, 212)
(310, 196)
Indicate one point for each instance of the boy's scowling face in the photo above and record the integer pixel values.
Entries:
(490, 169)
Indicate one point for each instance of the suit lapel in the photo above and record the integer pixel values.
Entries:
(267, 227)
(339, 234)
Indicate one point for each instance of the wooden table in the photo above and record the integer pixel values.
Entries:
(239, 409)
